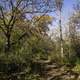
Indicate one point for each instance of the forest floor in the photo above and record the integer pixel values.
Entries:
(54, 71)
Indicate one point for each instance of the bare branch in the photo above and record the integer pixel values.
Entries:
(3, 30)
(26, 33)
(3, 17)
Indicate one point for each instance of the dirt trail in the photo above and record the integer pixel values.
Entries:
(53, 71)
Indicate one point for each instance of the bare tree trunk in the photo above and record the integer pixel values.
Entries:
(61, 37)
(8, 45)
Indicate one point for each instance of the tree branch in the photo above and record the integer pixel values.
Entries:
(3, 30)
(3, 17)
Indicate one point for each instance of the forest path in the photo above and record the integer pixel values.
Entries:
(54, 71)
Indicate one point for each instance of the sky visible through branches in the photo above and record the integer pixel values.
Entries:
(66, 13)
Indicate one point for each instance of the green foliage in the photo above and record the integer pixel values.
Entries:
(24, 50)
(24, 42)
(77, 67)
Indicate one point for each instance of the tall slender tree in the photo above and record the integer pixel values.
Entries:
(59, 4)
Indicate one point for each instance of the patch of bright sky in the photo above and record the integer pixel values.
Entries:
(68, 8)
(66, 13)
